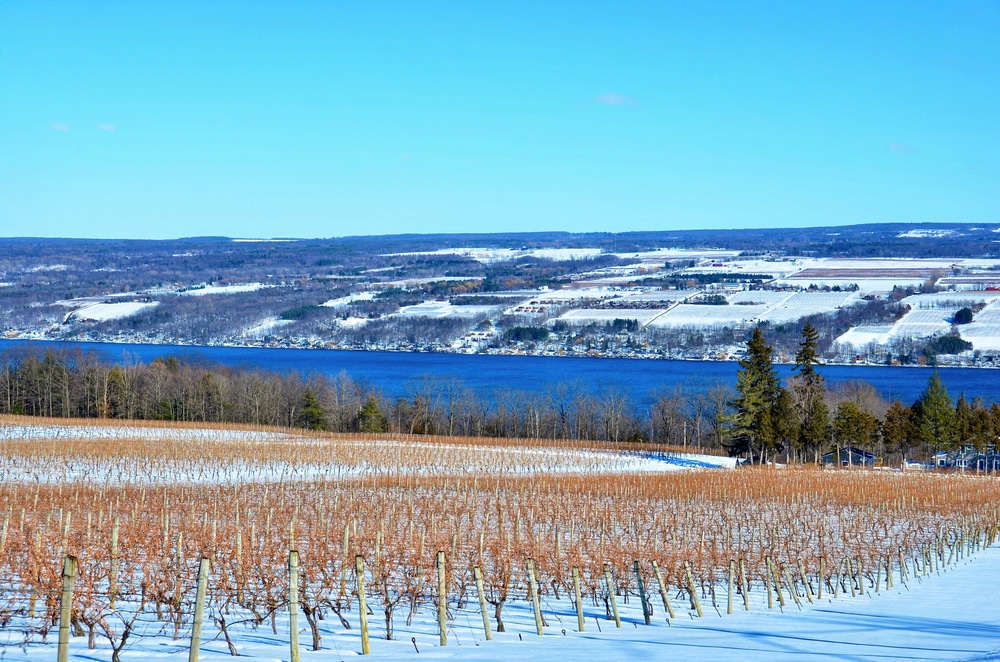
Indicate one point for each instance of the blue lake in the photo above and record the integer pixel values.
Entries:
(395, 373)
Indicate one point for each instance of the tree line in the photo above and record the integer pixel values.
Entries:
(796, 420)
(758, 417)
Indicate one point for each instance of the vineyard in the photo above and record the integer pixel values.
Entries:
(502, 539)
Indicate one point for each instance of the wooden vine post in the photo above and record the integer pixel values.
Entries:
(776, 578)
(477, 574)
(693, 589)
(293, 604)
(576, 597)
(442, 599)
(861, 578)
(113, 573)
(729, 597)
(791, 584)
(199, 610)
(641, 586)
(66, 607)
(767, 583)
(611, 595)
(805, 580)
(663, 590)
(359, 569)
(533, 592)
(744, 586)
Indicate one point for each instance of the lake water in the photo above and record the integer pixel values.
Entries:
(395, 373)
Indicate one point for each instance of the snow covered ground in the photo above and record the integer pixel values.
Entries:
(442, 309)
(203, 290)
(350, 298)
(490, 255)
(219, 458)
(696, 315)
(102, 312)
(931, 314)
(603, 315)
(984, 331)
(265, 327)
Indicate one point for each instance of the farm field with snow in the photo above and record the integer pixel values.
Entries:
(866, 565)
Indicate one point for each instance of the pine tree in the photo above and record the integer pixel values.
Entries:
(899, 430)
(937, 420)
(963, 419)
(311, 415)
(762, 412)
(808, 354)
(809, 387)
(371, 418)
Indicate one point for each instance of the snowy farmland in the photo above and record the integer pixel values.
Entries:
(102, 312)
(984, 331)
(908, 583)
(441, 309)
(932, 315)
(695, 315)
(207, 455)
(349, 299)
(206, 290)
(745, 308)
(490, 255)
(603, 316)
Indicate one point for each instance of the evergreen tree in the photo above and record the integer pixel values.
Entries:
(809, 388)
(808, 355)
(371, 418)
(899, 430)
(311, 415)
(963, 419)
(814, 431)
(981, 430)
(937, 420)
(756, 428)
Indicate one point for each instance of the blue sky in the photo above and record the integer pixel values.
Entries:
(315, 119)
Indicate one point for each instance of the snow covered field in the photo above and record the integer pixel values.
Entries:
(490, 255)
(441, 309)
(604, 315)
(351, 298)
(206, 455)
(696, 315)
(931, 314)
(101, 312)
(204, 290)
(984, 331)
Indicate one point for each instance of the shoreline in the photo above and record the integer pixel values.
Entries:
(445, 349)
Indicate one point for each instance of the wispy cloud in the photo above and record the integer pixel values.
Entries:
(614, 99)
(107, 127)
(900, 148)
(60, 126)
